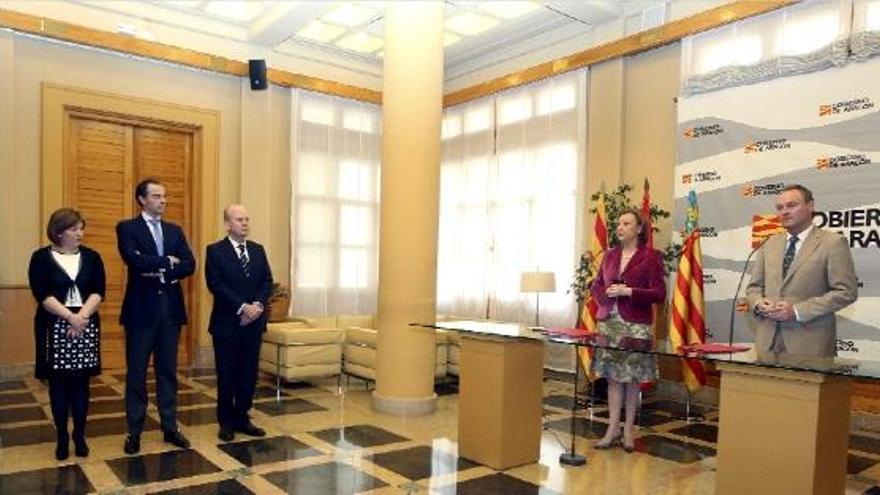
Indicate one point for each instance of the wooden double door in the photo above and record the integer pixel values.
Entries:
(105, 156)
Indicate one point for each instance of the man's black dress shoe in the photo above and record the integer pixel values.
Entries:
(132, 444)
(251, 429)
(177, 439)
(227, 434)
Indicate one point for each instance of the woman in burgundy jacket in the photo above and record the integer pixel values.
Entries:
(629, 282)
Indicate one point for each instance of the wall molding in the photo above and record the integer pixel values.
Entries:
(630, 45)
(65, 31)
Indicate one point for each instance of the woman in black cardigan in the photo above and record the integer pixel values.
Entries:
(67, 280)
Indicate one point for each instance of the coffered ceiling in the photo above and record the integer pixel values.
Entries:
(349, 35)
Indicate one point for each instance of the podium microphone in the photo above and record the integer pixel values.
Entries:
(742, 275)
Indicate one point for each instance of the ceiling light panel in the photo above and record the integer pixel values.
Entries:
(470, 24)
(236, 10)
(189, 4)
(320, 31)
(508, 9)
(350, 14)
(361, 42)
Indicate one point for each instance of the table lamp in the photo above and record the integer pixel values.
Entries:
(537, 282)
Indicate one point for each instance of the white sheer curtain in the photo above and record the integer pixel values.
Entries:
(464, 262)
(865, 40)
(804, 37)
(866, 15)
(510, 200)
(334, 170)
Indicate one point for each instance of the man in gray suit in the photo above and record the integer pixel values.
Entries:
(799, 280)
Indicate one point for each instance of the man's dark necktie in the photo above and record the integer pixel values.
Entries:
(244, 261)
(786, 263)
(789, 255)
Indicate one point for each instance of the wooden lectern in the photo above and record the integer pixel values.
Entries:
(781, 431)
(499, 405)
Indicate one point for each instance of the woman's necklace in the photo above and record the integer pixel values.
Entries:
(54, 249)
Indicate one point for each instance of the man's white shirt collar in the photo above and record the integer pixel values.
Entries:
(147, 218)
(235, 243)
(802, 236)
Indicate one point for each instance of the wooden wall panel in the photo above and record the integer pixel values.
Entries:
(17, 309)
(105, 158)
(167, 155)
(98, 168)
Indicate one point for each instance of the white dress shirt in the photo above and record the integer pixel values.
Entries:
(235, 245)
(797, 248)
(70, 264)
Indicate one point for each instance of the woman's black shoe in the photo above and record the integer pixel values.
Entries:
(62, 449)
(80, 447)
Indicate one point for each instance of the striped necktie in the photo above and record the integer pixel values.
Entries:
(244, 261)
(777, 345)
(789, 255)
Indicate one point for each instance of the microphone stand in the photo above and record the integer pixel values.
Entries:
(742, 276)
(572, 458)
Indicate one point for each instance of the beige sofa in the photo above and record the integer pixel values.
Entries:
(359, 353)
(304, 348)
(454, 353)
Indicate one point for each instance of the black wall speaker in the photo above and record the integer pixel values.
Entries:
(257, 70)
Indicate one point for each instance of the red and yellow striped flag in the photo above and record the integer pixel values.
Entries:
(687, 325)
(598, 245)
(646, 216)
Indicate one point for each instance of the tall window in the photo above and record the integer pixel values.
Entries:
(335, 151)
(510, 200)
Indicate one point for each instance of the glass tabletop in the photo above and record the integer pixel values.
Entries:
(746, 353)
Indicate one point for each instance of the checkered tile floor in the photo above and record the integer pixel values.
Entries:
(325, 440)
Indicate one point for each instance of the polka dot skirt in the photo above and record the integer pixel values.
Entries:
(72, 354)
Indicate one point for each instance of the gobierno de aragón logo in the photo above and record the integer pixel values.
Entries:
(846, 106)
(767, 145)
(752, 190)
(703, 131)
(842, 161)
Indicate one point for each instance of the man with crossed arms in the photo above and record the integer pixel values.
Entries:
(158, 258)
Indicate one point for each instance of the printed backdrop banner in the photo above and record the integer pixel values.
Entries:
(738, 147)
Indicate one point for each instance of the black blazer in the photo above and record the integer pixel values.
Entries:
(47, 278)
(138, 251)
(230, 287)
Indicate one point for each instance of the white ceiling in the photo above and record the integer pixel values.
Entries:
(277, 29)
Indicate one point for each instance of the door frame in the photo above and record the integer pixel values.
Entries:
(57, 103)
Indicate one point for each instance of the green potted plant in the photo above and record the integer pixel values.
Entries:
(615, 201)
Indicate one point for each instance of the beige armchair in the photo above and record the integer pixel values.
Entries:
(360, 353)
(316, 347)
(454, 349)
(301, 348)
